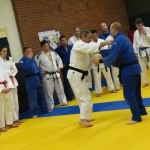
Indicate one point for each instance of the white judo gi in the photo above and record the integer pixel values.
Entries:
(114, 70)
(142, 41)
(6, 113)
(12, 71)
(80, 60)
(72, 40)
(52, 80)
(102, 69)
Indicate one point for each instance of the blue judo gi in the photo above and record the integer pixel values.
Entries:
(122, 55)
(104, 35)
(65, 56)
(33, 79)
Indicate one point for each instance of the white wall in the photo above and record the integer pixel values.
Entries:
(8, 27)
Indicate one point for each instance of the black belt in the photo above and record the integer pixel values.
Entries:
(144, 49)
(31, 75)
(129, 64)
(84, 73)
(53, 73)
(98, 68)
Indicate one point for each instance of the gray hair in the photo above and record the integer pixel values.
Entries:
(84, 33)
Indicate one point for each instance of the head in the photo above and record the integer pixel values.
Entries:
(104, 27)
(86, 36)
(94, 35)
(77, 31)
(63, 40)
(3, 52)
(115, 28)
(139, 23)
(27, 51)
(45, 46)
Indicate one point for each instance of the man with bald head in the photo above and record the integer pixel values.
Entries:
(76, 36)
(105, 31)
(122, 55)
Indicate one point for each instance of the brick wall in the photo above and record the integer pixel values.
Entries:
(34, 16)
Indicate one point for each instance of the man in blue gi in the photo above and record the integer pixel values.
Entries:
(122, 55)
(64, 51)
(33, 79)
(105, 31)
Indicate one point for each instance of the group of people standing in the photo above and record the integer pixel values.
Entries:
(120, 56)
(75, 58)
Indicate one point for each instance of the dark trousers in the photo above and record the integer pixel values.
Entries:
(37, 101)
(67, 88)
(132, 95)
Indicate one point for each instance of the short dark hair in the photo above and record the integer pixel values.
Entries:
(93, 31)
(84, 33)
(1, 48)
(25, 49)
(138, 21)
(61, 37)
(42, 43)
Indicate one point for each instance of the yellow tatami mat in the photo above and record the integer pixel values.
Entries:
(63, 133)
(109, 132)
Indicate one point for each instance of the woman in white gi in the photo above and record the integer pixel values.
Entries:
(7, 102)
(4, 98)
(50, 63)
(79, 65)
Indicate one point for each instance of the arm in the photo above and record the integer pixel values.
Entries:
(90, 47)
(148, 34)
(37, 59)
(135, 44)
(70, 42)
(13, 69)
(59, 61)
(113, 55)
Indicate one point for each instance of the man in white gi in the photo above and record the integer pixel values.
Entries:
(114, 70)
(101, 68)
(79, 65)
(141, 44)
(50, 63)
(76, 36)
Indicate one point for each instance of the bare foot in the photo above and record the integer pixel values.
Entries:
(85, 123)
(17, 123)
(90, 120)
(65, 104)
(105, 88)
(3, 129)
(132, 122)
(50, 110)
(13, 126)
(146, 84)
(35, 116)
(117, 89)
(98, 94)
(113, 91)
